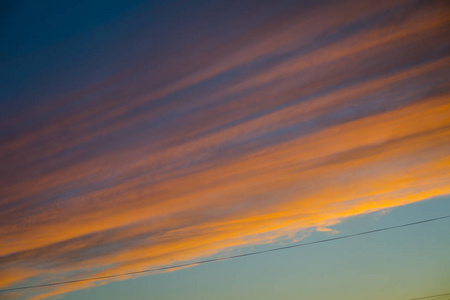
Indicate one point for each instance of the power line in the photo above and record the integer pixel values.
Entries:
(429, 297)
(222, 258)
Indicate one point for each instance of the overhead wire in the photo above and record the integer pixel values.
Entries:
(432, 296)
(221, 258)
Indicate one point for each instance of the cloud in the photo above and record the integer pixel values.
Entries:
(301, 117)
(326, 229)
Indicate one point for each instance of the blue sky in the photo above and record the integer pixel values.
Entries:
(142, 134)
(404, 263)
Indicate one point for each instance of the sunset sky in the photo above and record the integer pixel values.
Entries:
(143, 134)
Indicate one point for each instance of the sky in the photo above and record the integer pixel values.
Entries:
(143, 134)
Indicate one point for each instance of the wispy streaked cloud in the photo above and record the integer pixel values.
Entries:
(272, 120)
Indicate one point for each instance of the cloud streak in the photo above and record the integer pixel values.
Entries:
(295, 117)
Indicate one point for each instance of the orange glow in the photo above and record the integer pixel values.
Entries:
(153, 178)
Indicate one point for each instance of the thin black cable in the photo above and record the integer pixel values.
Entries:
(221, 258)
(429, 297)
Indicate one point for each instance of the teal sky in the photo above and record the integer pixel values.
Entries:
(402, 263)
(143, 134)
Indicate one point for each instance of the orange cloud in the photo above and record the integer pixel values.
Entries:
(291, 131)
